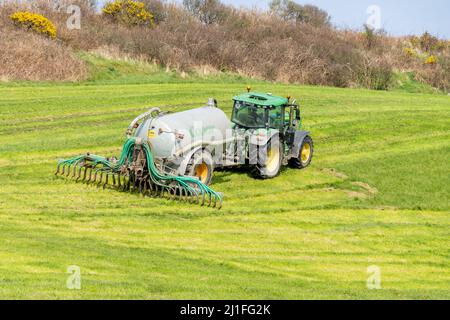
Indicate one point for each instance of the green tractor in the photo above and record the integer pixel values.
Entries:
(175, 154)
(272, 127)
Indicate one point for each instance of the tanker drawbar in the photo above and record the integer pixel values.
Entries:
(135, 170)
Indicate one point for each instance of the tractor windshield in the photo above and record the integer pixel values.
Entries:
(249, 115)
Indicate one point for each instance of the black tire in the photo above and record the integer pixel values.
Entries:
(300, 163)
(204, 159)
(264, 170)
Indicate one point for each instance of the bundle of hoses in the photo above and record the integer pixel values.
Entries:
(135, 170)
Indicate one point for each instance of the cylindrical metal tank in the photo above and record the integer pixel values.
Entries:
(174, 134)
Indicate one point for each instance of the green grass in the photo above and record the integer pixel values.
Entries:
(107, 71)
(376, 194)
(404, 81)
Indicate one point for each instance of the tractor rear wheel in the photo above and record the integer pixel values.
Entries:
(305, 155)
(202, 167)
(270, 159)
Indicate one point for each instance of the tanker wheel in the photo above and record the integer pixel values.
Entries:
(305, 155)
(202, 167)
(270, 160)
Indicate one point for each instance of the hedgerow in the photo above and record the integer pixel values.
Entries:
(283, 44)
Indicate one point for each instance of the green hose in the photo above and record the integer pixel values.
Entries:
(173, 185)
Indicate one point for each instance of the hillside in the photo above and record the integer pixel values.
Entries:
(290, 43)
(376, 194)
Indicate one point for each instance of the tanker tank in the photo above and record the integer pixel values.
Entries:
(172, 135)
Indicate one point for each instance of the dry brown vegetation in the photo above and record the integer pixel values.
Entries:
(25, 55)
(299, 46)
(37, 58)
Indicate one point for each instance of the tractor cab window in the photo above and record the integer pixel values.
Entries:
(276, 118)
(248, 115)
(279, 117)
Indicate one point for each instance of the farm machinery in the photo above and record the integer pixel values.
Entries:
(174, 155)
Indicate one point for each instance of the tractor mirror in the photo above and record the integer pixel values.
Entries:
(297, 114)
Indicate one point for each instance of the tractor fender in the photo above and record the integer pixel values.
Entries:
(298, 140)
(261, 137)
(185, 162)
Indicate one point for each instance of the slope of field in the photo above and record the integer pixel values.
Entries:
(377, 194)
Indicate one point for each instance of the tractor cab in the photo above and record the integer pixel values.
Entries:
(264, 111)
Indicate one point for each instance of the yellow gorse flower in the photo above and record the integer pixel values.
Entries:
(35, 22)
(129, 12)
(410, 52)
(431, 60)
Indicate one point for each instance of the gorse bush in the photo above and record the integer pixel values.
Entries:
(129, 12)
(35, 22)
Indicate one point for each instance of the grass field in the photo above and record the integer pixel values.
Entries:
(377, 194)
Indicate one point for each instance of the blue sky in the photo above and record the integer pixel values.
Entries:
(398, 17)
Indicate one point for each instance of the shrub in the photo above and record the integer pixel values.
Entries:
(207, 11)
(291, 11)
(375, 73)
(38, 58)
(428, 43)
(158, 10)
(371, 37)
(439, 76)
(129, 12)
(35, 22)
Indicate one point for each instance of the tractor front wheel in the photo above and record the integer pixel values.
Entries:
(305, 155)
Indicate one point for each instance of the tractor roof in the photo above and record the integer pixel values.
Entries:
(262, 99)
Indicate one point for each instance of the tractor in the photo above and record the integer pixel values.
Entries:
(175, 154)
(271, 125)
